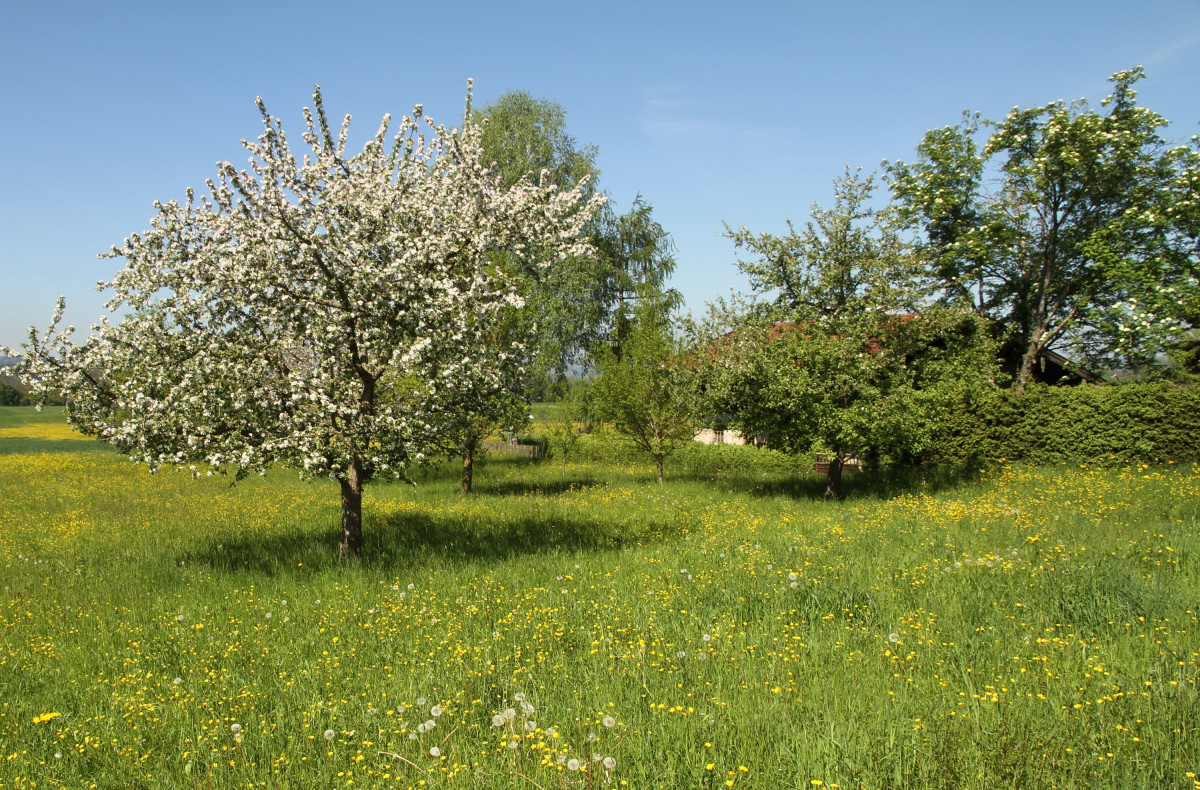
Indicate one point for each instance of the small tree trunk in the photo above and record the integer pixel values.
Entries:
(658, 461)
(468, 471)
(352, 488)
(833, 478)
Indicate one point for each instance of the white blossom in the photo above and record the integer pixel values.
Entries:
(323, 312)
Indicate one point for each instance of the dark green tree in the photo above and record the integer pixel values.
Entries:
(638, 257)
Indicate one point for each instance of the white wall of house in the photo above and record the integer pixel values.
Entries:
(711, 436)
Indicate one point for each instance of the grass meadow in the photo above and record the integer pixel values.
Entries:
(579, 626)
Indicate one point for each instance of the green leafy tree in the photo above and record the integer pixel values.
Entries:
(11, 396)
(525, 140)
(846, 260)
(1065, 226)
(840, 361)
(638, 257)
(648, 392)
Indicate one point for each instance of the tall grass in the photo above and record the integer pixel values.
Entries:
(1029, 627)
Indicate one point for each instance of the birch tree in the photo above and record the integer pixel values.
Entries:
(318, 313)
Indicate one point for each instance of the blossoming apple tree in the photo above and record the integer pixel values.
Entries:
(320, 313)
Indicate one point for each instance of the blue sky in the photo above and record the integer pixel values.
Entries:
(714, 112)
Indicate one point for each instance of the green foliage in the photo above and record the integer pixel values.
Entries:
(878, 390)
(648, 392)
(1142, 422)
(638, 258)
(1089, 240)
(845, 369)
(526, 139)
(525, 136)
(571, 418)
(11, 396)
(846, 260)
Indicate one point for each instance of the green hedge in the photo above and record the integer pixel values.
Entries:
(1095, 424)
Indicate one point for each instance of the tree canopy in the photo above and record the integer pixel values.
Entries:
(1066, 226)
(839, 361)
(524, 140)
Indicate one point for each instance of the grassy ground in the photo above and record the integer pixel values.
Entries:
(584, 627)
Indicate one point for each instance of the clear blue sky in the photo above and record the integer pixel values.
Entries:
(742, 113)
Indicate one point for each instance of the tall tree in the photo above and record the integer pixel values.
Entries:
(525, 140)
(638, 257)
(525, 135)
(318, 314)
(848, 259)
(1081, 241)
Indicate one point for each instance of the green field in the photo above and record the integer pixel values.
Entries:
(1028, 627)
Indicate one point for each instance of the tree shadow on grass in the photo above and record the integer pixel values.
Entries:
(524, 487)
(408, 540)
(856, 485)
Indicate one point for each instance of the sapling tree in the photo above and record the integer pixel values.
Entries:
(649, 391)
(574, 411)
(320, 313)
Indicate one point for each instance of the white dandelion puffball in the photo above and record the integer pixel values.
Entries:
(609, 721)
(573, 764)
(435, 752)
(329, 735)
(497, 720)
(436, 711)
(610, 763)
